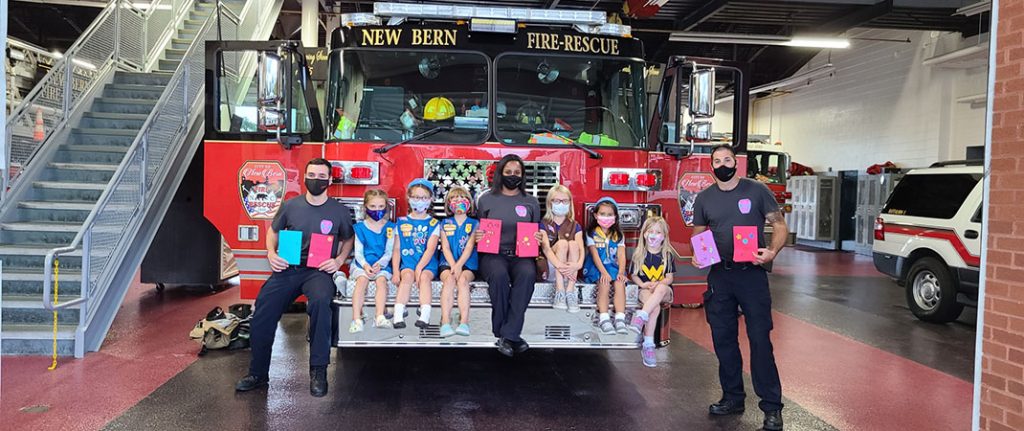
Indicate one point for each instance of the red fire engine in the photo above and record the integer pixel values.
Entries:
(443, 92)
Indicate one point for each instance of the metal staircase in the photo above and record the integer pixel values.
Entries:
(95, 153)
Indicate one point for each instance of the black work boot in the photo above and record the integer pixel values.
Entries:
(521, 346)
(250, 382)
(318, 381)
(726, 407)
(505, 347)
(773, 420)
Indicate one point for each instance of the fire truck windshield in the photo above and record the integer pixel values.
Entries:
(392, 95)
(545, 99)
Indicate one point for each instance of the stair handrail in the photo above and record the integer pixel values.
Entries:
(183, 93)
(59, 93)
(179, 78)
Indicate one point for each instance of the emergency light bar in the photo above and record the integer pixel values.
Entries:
(450, 12)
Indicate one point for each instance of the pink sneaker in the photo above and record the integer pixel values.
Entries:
(647, 352)
(637, 325)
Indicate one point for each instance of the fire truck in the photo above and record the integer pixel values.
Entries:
(443, 92)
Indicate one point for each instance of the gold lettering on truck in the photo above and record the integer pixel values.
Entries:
(381, 37)
(572, 43)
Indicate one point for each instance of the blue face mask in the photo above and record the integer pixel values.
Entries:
(559, 209)
(376, 215)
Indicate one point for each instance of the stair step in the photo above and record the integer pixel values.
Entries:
(69, 185)
(37, 332)
(96, 148)
(123, 105)
(83, 166)
(193, 23)
(174, 54)
(158, 79)
(169, 65)
(133, 91)
(103, 136)
(41, 227)
(177, 43)
(54, 211)
(51, 205)
(29, 281)
(113, 120)
(33, 302)
(86, 154)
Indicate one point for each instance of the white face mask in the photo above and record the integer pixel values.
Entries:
(655, 239)
(419, 206)
(559, 209)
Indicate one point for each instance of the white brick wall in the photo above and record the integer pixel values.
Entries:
(882, 104)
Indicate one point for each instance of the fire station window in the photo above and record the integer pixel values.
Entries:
(237, 89)
(390, 95)
(555, 100)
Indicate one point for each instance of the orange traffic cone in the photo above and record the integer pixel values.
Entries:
(39, 133)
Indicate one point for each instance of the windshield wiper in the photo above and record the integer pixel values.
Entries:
(425, 134)
(593, 154)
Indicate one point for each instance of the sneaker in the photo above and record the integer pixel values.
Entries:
(446, 330)
(647, 352)
(398, 324)
(463, 329)
(421, 323)
(620, 326)
(355, 326)
(607, 327)
(572, 300)
(382, 322)
(637, 325)
(559, 300)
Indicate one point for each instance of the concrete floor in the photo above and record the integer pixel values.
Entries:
(851, 356)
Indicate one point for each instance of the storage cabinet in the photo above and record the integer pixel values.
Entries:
(872, 193)
(814, 200)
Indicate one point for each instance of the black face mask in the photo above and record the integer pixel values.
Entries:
(511, 181)
(725, 173)
(316, 187)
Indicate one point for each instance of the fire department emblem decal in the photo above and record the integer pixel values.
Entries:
(689, 185)
(261, 187)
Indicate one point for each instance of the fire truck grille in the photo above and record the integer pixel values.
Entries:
(472, 174)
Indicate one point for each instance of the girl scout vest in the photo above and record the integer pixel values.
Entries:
(413, 238)
(458, 237)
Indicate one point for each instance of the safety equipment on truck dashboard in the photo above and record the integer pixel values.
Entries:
(438, 109)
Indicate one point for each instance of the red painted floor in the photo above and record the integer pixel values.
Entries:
(847, 383)
(148, 344)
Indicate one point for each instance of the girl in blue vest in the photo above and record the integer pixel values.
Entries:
(459, 264)
(607, 254)
(374, 248)
(415, 258)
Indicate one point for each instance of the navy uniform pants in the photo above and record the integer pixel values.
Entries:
(510, 282)
(743, 286)
(276, 295)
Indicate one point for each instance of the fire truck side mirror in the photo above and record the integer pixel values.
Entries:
(269, 79)
(702, 93)
(699, 131)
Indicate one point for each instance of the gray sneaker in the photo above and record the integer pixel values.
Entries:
(607, 327)
(559, 300)
(572, 300)
(620, 326)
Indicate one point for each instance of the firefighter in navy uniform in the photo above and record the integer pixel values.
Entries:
(735, 201)
(311, 213)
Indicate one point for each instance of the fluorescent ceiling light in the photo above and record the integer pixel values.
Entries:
(146, 6)
(804, 42)
(749, 39)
